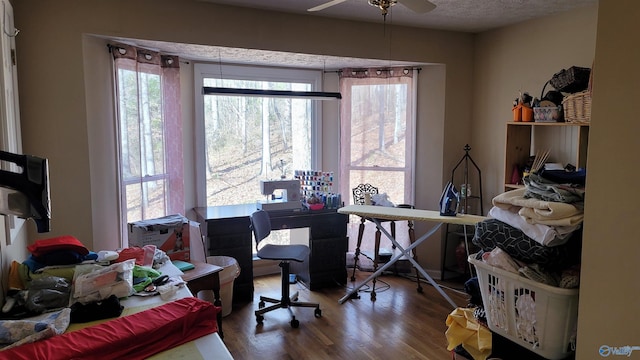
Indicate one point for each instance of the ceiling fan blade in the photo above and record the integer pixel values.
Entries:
(326, 5)
(419, 6)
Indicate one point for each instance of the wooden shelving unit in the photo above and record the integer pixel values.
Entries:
(567, 141)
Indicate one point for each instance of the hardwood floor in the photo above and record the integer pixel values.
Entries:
(400, 324)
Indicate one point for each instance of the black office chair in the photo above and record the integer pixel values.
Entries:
(261, 226)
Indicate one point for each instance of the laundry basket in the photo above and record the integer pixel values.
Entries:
(539, 317)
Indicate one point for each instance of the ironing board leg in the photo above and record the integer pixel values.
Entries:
(376, 251)
(357, 252)
(412, 239)
(396, 258)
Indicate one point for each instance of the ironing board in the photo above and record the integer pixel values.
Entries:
(376, 213)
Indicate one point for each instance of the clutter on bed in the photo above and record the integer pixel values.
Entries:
(62, 281)
(23, 331)
(96, 282)
(171, 234)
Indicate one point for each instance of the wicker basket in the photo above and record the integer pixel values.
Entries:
(577, 108)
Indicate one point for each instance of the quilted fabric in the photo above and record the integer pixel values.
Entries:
(492, 233)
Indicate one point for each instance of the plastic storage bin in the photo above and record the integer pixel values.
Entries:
(230, 271)
(539, 317)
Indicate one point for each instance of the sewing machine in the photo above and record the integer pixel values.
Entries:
(290, 199)
(26, 193)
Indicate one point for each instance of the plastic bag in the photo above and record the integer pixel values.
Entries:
(48, 293)
(99, 283)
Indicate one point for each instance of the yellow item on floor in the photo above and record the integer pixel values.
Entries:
(464, 329)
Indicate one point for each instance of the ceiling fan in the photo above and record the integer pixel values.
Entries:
(419, 6)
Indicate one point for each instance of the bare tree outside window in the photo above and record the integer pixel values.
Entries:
(377, 148)
(149, 126)
(247, 138)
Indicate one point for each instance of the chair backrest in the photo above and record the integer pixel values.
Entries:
(360, 191)
(261, 225)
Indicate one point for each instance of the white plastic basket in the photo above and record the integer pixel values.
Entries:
(539, 317)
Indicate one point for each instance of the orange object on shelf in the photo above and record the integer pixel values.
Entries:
(517, 113)
(527, 114)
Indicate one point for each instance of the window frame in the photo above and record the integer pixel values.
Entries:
(409, 168)
(142, 179)
(256, 73)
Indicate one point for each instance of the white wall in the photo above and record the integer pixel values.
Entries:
(610, 286)
(521, 58)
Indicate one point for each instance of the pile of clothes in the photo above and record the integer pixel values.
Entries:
(62, 282)
(536, 231)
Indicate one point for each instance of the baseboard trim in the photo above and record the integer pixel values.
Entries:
(265, 267)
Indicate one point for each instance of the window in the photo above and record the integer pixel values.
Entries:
(377, 136)
(245, 139)
(149, 133)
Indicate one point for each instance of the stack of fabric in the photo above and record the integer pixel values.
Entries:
(47, 274)
(539, 226)
(62, 250)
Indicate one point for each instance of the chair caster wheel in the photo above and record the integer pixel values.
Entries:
(260, 319)
(353, 278)
(373, 296)
(419, 290)
(318, 313)
(261, 304)
(295, 323)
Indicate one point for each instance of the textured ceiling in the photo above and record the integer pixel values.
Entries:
(456, 15)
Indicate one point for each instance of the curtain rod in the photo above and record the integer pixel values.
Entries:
(313, 95)
(374, 67)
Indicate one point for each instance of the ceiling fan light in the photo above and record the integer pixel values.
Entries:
(383, 5)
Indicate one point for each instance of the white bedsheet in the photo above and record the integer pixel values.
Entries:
(543, 234)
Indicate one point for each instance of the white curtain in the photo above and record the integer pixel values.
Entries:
(377, 140)
(150, 134)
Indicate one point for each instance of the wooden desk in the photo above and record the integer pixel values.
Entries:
(205, 277)
(227, 231)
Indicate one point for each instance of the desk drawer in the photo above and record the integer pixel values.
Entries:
(228, 226)
(328, 254)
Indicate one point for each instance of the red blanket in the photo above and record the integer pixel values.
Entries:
(136, 336)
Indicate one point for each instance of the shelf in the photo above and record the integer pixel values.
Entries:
(533, 123)
(568, 143)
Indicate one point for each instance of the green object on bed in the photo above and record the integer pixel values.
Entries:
(183, 265)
